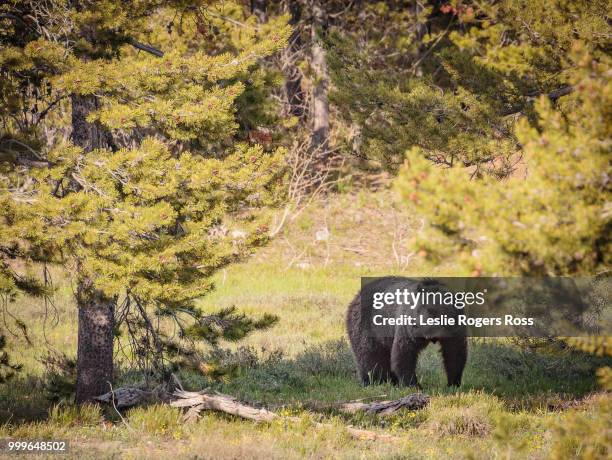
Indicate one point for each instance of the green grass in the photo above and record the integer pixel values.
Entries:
(512, 404)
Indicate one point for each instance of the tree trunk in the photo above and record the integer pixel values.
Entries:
(293, 84)
(96, 311)
(320, 103)
(95, 346)
(89, 136)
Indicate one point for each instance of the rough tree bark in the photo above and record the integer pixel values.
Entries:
(96, 311)
(320, 101)
(87, 135)
(293, 83)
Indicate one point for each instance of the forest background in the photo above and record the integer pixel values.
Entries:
(178, 176)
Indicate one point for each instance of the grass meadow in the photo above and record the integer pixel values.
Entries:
(514, 402)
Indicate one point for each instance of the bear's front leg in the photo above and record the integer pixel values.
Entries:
(404, 355)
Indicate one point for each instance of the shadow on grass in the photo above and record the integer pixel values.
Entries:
(324, 374)
(23, 399)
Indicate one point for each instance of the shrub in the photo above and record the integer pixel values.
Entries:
(469, 414)
(330, 358)
(584, 434)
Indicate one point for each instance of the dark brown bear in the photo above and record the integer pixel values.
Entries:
(391, 353)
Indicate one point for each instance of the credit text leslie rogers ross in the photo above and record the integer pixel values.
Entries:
(457, 299)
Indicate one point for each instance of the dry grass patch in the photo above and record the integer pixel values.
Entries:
(468, 414)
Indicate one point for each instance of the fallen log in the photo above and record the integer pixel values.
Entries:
(203, 400)
(125, 397)
(196, 402)
(122, 398)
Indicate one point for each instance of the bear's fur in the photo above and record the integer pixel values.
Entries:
(392, 355)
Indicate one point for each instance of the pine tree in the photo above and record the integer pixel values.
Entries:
(539, 88)
(142, 203)
(554, 222)
(304, 64)
(453, 78)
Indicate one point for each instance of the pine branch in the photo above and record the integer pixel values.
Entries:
(148, 48)
(564, 91)
(553, 96)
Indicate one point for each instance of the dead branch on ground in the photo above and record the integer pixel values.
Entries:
(204, 400)
(415, 401)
